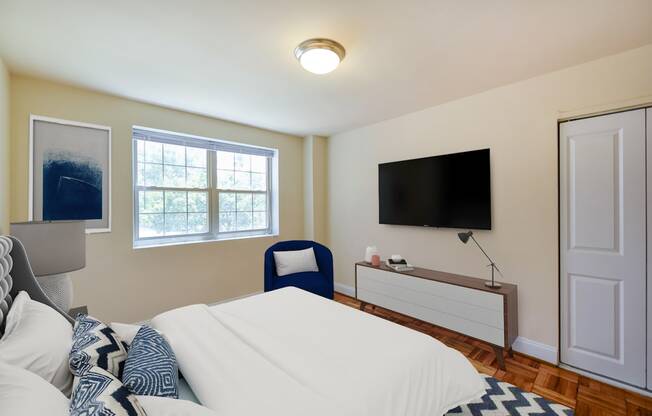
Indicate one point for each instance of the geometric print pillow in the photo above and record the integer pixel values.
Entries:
(99, 393)
(151, 368)
(95, 344)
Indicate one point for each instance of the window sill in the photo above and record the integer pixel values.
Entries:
(159, 243)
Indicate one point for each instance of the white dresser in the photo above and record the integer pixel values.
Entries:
(459, 303)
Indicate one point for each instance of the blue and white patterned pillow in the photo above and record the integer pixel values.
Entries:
(98, 393)
(151, 368)
(95, 344)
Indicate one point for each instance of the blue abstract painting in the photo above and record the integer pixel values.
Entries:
(72, 187)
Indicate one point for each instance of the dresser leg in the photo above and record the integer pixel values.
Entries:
(499, 357)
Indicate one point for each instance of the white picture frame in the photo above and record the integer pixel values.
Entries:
(69, 136)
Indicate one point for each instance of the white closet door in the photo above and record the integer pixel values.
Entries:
(603, 245)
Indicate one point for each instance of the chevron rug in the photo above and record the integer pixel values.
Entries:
(503, 399)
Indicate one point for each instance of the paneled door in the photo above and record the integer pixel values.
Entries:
(603, 245)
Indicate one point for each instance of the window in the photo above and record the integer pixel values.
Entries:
(188, 188)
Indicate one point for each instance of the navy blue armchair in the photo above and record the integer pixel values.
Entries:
(319, 283)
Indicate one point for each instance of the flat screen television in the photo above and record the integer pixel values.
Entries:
(452, 191)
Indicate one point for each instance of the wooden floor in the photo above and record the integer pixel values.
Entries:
(585, 395)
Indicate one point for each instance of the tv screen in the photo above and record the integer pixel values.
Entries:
(452, 191)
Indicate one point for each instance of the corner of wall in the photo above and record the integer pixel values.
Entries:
(315, 158)
(308, 188)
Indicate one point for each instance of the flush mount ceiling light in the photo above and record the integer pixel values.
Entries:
(319, 55)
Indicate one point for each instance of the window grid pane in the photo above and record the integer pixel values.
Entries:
(242, 211)
(172, 212)
(241, 172)
(171, 166)
(239, 210)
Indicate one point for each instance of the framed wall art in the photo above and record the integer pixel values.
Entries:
(70, 172)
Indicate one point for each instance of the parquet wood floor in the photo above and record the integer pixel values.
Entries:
(585, 395)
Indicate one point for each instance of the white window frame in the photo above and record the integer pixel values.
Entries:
(213, 192)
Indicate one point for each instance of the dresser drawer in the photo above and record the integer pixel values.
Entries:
(472, 312)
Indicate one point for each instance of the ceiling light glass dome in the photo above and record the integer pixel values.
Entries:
(319, 56)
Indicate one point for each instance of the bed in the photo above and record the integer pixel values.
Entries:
(288, 352)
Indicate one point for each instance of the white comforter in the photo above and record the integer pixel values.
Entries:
(288, 352)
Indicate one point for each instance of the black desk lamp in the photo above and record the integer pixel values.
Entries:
(464, 237)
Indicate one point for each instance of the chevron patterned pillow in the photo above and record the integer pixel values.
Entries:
(98, 393)
(95, 344)
(151, 367)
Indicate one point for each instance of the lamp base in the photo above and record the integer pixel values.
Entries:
(58, 287)
(494, 285)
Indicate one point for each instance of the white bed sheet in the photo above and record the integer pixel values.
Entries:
(288, 352)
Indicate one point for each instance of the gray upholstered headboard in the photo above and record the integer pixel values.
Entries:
(6, 282)
(16, 275)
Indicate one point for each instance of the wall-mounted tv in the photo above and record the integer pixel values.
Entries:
(452, 191)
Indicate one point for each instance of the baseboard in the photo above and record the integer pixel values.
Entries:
(607, 380)
(345, 289)
(536, 349)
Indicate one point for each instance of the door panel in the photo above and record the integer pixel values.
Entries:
(603, 245)
(594, 194)
(595, 330)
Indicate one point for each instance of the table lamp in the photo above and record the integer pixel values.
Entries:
(464, 237)
(54, 248)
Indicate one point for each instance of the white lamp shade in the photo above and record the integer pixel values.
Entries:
(53, 247)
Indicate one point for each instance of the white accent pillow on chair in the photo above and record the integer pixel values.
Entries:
(297, 261)
(37, 338)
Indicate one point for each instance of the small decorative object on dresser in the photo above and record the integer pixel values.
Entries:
(460, 303)
(369, 253)
(398, 263)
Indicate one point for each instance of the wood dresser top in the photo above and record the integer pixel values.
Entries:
(450, 278)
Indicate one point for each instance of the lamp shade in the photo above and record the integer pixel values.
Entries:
(53, 247)
(464, 237)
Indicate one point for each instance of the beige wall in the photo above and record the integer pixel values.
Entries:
(120, 283)
(315, 168)
(519, 123)
(4, 149)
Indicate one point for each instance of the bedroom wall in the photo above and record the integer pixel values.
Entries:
(120, 283)
(519, 123)
(4, 149)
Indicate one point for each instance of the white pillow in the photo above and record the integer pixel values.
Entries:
(37, 338)
(126, 332)
(26, 394)
(166, 406)
(288, 262)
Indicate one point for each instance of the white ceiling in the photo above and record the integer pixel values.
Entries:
(233, 59)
